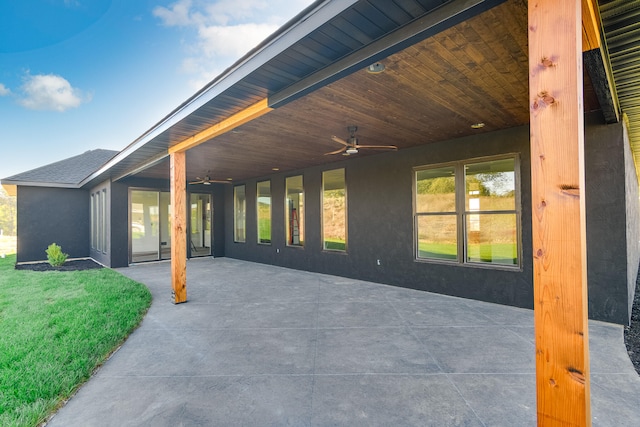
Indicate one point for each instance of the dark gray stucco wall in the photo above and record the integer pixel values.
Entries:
(119, 225)
(612, 223)
(52, 215)
(380, 223)
(218, 192)
(633, 220)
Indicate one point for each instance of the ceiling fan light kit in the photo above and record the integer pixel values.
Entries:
(208, 181)
(351, 146)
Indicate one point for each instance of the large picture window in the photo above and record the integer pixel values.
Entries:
(295, 210)
(263, 191)
(334, 210)
(468, 212)
(239, 215)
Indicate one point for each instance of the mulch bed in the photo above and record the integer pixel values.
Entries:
(74, 265)
(632, 332)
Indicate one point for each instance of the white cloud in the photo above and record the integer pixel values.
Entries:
(178, 15)
(4, 91)
(50, 92)
(224, 30)
(224, 40)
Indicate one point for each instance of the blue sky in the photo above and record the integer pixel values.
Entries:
(77, 75)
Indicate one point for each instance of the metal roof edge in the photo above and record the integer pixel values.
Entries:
(301, 25)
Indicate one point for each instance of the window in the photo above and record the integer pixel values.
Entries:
(334, 210)
(436, 217)
(263, 192)
(102, 222)
(468, 212)
(94, 225)
(99, 221)
(239, 217)
(295, 211)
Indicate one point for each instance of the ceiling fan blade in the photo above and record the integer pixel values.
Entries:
(378, 147)
(341, 150)
(340, 141)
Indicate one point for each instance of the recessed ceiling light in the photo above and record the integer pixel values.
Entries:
(376, 68)
(229, 179)
(275, 169)
(477, 125)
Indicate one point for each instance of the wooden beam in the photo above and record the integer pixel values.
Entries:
(179, 226)
(590, 26)
(252, 112)
(558, 220)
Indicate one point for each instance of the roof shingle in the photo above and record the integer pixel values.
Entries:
(69, 171)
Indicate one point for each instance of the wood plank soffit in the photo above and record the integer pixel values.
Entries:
(252, 112)
(443, 17)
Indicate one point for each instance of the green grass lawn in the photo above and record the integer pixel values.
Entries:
(497, 253)
(55, 329)
(335, 244)
(264, 230)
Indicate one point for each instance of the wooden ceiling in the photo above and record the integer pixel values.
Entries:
(475, 72)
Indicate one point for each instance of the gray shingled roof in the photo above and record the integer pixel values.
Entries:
(68, 172)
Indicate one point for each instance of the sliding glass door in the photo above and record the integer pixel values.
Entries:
(200, 234)
(150, 214)
(150, 225)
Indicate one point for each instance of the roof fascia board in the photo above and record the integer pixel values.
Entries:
(305, 23)
(40, 184)
(443, 17)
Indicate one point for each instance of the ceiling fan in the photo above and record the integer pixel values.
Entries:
(208, 181)
(351, 146)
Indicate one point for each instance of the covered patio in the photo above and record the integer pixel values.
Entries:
(265, 345)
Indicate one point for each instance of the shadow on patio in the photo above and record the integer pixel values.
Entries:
(264, 345)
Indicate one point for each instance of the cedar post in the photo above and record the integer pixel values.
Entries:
(178, 227)
(558, 214)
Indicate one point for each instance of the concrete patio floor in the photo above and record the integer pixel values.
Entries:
(258, 345)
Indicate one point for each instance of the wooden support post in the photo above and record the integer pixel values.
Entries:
(177, 154)
(559, 227)
(179, 227)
